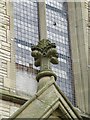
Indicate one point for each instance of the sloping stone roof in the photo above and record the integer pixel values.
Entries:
(45, 102)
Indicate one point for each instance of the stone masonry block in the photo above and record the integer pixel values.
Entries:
(4, 19)
(2, 10)
(6, 44)
(6, 48)
(50, 95)
(0, 44)
(1, 84)
(3, 57)
(7, 82)
(2, 32)
(3, 69)
(5, 52)
(1, 79)
(3, 108)
(2, 2)
(4, 113)
(4, 61)
(4, 26)
(4, 65)
(3, 74)
(2, 38)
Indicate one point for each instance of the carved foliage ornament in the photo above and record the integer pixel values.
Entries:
(44, 49)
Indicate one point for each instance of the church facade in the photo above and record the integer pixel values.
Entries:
(23, 24)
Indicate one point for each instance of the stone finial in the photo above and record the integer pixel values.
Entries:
(44, 53)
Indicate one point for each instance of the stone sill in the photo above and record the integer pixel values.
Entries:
(12, 97)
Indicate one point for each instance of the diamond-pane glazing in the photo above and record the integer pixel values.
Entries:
(57, 31)
(26, 30)
(26, 34)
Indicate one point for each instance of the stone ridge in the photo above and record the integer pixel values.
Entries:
(45, 102)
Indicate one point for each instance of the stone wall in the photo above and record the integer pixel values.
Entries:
(89, 52)
(4, 43)
(7, 108)
(7, 62)
(7, 76)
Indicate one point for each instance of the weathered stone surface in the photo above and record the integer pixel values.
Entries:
(6, 59)
(2, 2)
(77, 14)
(44, 103)
(2, 32)
(4, 46)
(3, 56)
(49, 96)
(45, 53)
(7, 108)
(5, 52)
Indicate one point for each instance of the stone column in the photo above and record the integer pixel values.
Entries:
(44, 61)
(42, 19)
(89, 54)
(77, 15)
